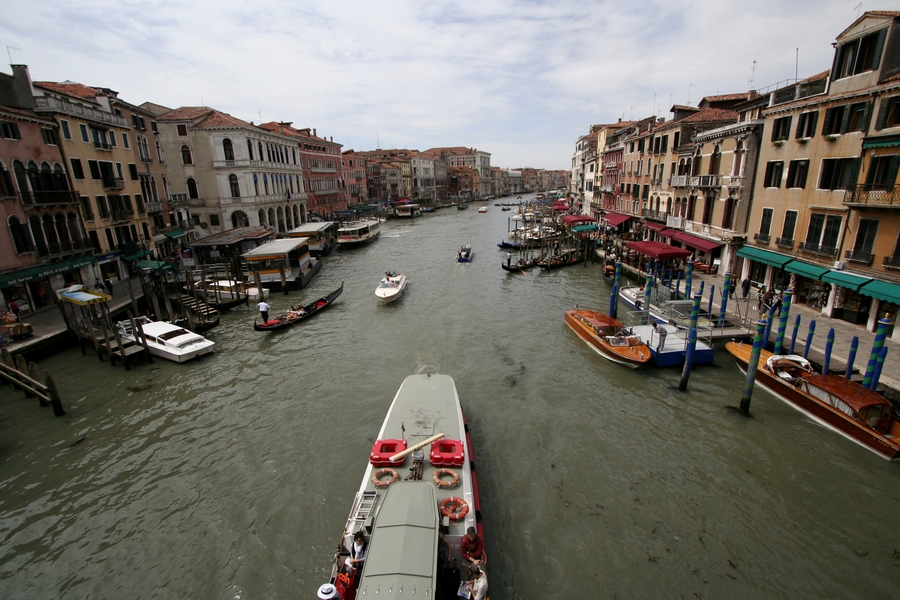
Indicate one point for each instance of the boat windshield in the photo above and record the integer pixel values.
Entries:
(174, 334)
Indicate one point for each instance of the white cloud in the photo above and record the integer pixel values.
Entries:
(521, 80)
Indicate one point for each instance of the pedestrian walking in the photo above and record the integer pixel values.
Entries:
(745, 287)
(107, 282)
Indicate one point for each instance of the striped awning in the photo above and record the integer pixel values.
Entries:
(764, 256)
(805, 269)
(846, 280)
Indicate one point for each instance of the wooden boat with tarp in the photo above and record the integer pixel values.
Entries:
(608, 337)
(856, 412)
(564, 259)
(419, 480)
(292, 317)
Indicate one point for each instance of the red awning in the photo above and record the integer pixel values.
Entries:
(572, 219)
(693, 241)
(654, 226)
(615, 219)
(658, 250)
(668, 233)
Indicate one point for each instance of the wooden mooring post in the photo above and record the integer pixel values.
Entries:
(26, 377)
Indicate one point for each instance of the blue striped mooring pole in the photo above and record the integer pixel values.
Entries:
(645, 307)
(782, 321)
(880, 336)
(809, 338)
(829, 346)
(692, 343)
(752, 366)
(881, 357)
(794, 334)
(688, 277)
(854, 345)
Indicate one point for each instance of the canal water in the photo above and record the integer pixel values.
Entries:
(232, 477)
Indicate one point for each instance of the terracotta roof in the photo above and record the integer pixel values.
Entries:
(883, 13)
(711, 114)
(683, 107)
(891, 79)
(817, 76)
(185, 113)
(70, 88)
(220, 119)
(727, 97)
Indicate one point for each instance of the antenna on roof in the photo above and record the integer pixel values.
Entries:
(858, 8)
(690, 85)
(797, 64)
(8, 48)
(752, 71)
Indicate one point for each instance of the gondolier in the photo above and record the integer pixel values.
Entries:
(508, 258)
(263, 310)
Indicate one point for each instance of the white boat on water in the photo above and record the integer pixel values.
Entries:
(166, 340)
(358, 233)
(419, 480)
(483, 209)
(391, 287)
(226, 293)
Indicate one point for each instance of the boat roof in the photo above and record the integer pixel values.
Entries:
(358, 225)
(233, 236)
(851, 392)
(311, 227)
(282, 246)
(596, 318)
(402, 551)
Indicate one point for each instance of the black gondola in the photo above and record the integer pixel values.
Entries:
(308, 311)
(565, 260)
(199, 326)
(522, 264)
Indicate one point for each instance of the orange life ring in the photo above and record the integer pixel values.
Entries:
(454, 508)
(379, 482)
(442, 483)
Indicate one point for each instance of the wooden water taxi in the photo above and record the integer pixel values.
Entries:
(292, 317)
(846, 407)
(608, 337)
(419, 480)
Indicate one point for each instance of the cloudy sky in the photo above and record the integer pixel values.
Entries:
(519, 79)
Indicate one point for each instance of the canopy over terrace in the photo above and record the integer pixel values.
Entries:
(658, 250)
(573, 219)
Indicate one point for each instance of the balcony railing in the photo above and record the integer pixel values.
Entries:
(709, 181)
(178, 200)
(122, 214)
(102, 145)
(113, 183)
(784, 242)
(54, 198)
(891, 262)
(656, 215)
(146, 159)
(51, 104)
(762, 238)
(822, 250)
(859, 256)
(679, 181)
(870, 195)
(154, 207)
(45, 250)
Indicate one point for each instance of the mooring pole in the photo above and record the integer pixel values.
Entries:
(854, 344)
(752, 366)
(809, 338)
(829, 346)
(677, 284)
(794, 334)
(692, 344)
(881, 358)
(688, 277)
(612, 301)
(782, 321)
(880, 336)
(770, 318)
(709, 308)
(618, 280)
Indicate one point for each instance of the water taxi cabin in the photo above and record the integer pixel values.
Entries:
(281, 263)
(359, 232)
(321, 237)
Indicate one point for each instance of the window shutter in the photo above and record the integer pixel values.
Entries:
(892, 170)
(854, 173)
(882, 113)
(879, 45)
(827, 123)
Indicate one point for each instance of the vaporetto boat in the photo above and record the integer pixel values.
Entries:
(420, 478)
(358, 233)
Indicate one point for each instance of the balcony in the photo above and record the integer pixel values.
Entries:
(113, 183)
(656, 215)
(762, 238)
(709, 181)
(821, 250)
(55, 198)
(863, 196)
(178, 200)
(679, 181)
(121, 214)
(154, 207)
(146, 159)
(785, 243)
(858, 256)
(43, 104)
(891, 262)
(100, 145)
(63, 248)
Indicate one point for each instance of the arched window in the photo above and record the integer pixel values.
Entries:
(255, 185)
(249, 149)
(186, 158)
(159, 152)
(59, 178)
(37, 233)
(259, 147)
(737, 169)
(228, 148)
(7, 190)
(45, 178)
(262, 217)
(19, 233)
(62, 232)
(235, 187)
(266, 184)
(728, 215)
(192, 188)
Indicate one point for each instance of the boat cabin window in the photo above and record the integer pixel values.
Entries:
(174, 334)
(877, 417)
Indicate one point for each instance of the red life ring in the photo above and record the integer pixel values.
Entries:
(445, 484)
(454, 508)
(379, 482)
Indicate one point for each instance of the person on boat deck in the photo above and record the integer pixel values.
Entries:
(471, 547)
(661, 331)
(508, 258)
(358, 550)
(263, 307)
(478, 586)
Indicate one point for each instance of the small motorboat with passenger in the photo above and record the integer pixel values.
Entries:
(419, 481)
(464, 254)
(391, 287)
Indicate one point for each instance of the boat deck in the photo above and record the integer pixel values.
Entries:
(675, 348)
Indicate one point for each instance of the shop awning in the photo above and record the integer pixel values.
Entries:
(846, 280)
(695, 242)
(764, 256)
(154, 265)
(655, 226)
(667, 233)
(805, 269)
(882, 290)
(658, 250)
(136, 255)
(175, 234)
(583, 228)
(32, 273)
(571, 219)
(615, 219)
(885, 141)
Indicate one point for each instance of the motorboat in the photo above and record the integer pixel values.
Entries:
(358, 233)
(165, 339)
(483, 209)
(391, 287)
(846, 407)
(465, 254)
(300, 313)
(223, 294)
(419, 480)
(608, 337)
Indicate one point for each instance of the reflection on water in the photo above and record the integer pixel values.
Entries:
(232, 476)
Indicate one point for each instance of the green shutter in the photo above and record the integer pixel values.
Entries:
(879, 44)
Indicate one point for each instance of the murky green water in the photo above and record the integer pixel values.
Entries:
(232, 477)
